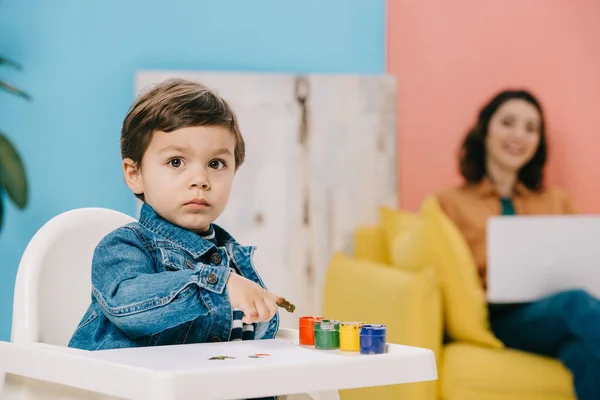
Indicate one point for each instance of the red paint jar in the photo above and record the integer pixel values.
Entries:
(306, 333)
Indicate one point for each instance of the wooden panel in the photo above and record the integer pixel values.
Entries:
(320, 160)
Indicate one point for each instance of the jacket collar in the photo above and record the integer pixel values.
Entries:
(485, 188)
(188, 240)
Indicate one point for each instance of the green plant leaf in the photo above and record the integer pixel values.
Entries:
(12, 173)
(1, 211)
(14, 90)
(10, 63)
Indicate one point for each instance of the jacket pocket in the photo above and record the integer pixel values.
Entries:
(175, 260)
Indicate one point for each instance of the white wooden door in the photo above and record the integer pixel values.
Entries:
(320, 160)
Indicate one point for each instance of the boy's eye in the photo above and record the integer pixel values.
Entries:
(217, 164)
(176, 162)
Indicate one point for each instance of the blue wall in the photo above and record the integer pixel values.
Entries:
(79, 60)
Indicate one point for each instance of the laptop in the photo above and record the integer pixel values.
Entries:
(532, 257)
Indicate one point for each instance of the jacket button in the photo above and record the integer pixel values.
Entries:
(215, 258)
(215, 339)
(212, 278)
(189, 264)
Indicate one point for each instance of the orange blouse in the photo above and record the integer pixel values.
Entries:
(469, 207)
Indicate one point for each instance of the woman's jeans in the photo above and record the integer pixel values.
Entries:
(564, 326)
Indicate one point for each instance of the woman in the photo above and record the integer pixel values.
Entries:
(502, 161)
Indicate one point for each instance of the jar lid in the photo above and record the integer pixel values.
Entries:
(350, 326)
(309, 320)
(373, 330)
(327, 325)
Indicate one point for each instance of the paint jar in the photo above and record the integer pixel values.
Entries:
(349, 336)
(372, 339)
(306, 330)
(327, 334)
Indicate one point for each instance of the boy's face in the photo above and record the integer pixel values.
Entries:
(186, 175)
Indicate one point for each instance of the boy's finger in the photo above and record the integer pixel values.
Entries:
(250, 313)
(272, 308)
(247, 320)
(263, 310)
(273, 296)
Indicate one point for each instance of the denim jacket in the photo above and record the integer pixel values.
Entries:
(154, 283)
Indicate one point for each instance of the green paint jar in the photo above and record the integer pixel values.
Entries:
(327, 334)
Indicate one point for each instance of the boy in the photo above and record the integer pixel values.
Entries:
(174, 277)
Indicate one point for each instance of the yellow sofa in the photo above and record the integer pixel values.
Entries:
(410, 301)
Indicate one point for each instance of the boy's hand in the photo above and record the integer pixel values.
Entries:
(257, 304)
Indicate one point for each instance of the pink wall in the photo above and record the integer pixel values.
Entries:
(451, 56)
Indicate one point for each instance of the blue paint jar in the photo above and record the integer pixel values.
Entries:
(372, 339)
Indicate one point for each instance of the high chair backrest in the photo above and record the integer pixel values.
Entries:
(53, 286)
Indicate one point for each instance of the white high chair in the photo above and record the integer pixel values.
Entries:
(52, 291)
(53, 286)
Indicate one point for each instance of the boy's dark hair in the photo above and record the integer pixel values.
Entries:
(171, 105)
(472, 152)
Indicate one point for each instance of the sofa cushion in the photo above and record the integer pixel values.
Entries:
(434, 240)
(409, 304)
(472, 372)
(370, 244)
(395, 222)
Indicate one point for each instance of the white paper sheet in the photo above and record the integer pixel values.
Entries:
(197, 356)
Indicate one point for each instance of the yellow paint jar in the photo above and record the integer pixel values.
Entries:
(349, 336)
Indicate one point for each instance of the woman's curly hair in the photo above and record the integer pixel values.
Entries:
(473, 154)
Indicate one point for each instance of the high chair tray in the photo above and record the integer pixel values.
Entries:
(231, 370)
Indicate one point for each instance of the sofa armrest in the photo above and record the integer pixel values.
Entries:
(370, 244)
(408, 303)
